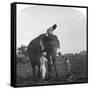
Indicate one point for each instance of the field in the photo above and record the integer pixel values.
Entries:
(78, 71)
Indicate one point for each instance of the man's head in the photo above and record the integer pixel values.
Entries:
(51, 29)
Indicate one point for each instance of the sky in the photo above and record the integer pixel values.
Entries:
(33, 20)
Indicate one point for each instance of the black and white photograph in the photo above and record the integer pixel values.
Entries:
(51, 45)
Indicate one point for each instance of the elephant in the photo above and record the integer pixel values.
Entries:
(47, 42)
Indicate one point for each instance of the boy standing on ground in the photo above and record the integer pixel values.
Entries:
(43, 61)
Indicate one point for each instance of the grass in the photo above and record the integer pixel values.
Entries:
(78, 72)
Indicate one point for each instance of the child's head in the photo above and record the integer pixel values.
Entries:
(44, 54)
(66, 58)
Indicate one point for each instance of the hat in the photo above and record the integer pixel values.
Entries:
(54, 26)
(44, 53)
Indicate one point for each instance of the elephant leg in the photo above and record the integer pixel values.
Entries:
(54, 65)
(34, 72)
(49, 67)
(49, 70)
(39, 74)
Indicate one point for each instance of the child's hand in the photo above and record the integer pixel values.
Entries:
(51, 62)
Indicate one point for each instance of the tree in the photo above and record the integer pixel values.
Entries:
(76, 54)
(23, 49)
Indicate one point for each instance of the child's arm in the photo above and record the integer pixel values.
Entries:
(46, 60)
(40, 59)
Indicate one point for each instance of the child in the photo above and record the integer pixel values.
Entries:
(68, 65)
(43, 60)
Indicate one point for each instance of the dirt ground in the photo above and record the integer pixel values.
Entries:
(78, 72)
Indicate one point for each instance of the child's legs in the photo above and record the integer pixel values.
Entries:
(44, 73)
(69, 69)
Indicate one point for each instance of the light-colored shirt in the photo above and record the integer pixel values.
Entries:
(42, 66)
(43, 60)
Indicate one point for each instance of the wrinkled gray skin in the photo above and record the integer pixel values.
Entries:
(51, 43)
